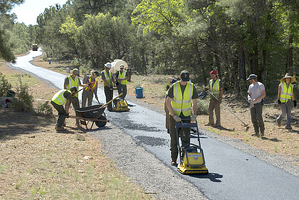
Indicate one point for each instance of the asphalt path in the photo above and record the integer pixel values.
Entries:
(236, 171)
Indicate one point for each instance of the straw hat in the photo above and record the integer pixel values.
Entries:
(293, 79)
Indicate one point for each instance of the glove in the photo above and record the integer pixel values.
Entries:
(177, 118)
(278, 101)
(67, 115)
(207, 88)
(295, 103)
(89, 84)
(193, 118)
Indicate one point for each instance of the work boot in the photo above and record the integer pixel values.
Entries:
(173, 163)
(278, 123)
(59, 128)
(288, 127)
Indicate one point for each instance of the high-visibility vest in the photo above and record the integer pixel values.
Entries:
(182, 103)
(286, 92)
(108, 78)
(122, 76)
(73, 83)
(58, 98)
(215, 89)
(92, 86)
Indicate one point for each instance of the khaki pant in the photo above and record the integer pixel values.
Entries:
(214, 104)
(87, 95)
(76, 105)
(109, 96)
(122, 89)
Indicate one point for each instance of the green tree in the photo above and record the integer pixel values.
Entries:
(20, 38)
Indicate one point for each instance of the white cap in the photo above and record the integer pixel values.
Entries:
(108, 65)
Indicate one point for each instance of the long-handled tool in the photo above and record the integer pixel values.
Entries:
(111, 100)
(246, 125)
(270, 104)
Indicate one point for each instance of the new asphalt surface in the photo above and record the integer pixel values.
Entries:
(138, 144)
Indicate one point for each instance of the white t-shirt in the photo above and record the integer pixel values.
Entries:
(255, 91)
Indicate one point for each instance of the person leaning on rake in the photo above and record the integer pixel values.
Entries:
(285, 98)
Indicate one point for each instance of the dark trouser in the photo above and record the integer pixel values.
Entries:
(214, 104)
(61, 114)
(87, 95)
(185, 138)
(257, 118)
(109, 96)
(285, 110)
(167, 116)
(122, 89)
(76, 105)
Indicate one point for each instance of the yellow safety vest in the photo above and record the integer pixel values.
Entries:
(92, 86)
(215, 89)
(121, 76)
(58, 98)
(286, 92)
(73, 83)
(182, 103)
(108, 78)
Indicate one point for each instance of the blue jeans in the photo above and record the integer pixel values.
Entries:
(285, 110)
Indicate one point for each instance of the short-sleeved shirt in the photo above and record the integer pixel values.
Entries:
(67, 95)
(255, 91)
(66, 80)
(170, 91)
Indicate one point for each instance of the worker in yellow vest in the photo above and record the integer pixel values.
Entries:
(91, 89)
(182, 105)
(74, 81)
(109, 83)
(216, 88)
(285, 98)
(122, 78)
(61, 98)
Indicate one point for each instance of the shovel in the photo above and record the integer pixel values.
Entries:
(246, 125)
(111, 101)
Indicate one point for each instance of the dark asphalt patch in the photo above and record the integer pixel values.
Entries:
(152, 141)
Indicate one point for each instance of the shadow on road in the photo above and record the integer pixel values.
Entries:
(214, 177)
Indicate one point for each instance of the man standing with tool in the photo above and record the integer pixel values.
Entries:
(182, 105)
(63, 97)
(285, 97)
(73, 81)
(216, 88)
(121, 77)
(109, 83)
(91, 89)
(256, 93)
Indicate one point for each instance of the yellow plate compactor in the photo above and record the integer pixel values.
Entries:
(120, 105)
(192, 160)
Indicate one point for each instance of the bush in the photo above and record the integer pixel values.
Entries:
(24, 101)
(4, 85)
(44, 108)
(202, 107)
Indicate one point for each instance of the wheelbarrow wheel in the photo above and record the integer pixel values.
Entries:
(101, 123)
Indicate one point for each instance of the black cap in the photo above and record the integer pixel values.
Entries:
(96, 73)
(184, 75)
(74, 88)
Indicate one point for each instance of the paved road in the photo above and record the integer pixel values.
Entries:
(236, 171)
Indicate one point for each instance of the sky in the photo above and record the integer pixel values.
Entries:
(30, 9)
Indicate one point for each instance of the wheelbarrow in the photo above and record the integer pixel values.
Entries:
(92, 113)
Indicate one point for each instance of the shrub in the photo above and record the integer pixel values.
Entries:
(24, 101)
(4, 85)
(202, 107)
(44, 108)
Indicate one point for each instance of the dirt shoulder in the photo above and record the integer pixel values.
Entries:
(37, 162)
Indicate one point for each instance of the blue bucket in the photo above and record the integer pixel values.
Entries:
(139, 92)
(50, 61)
